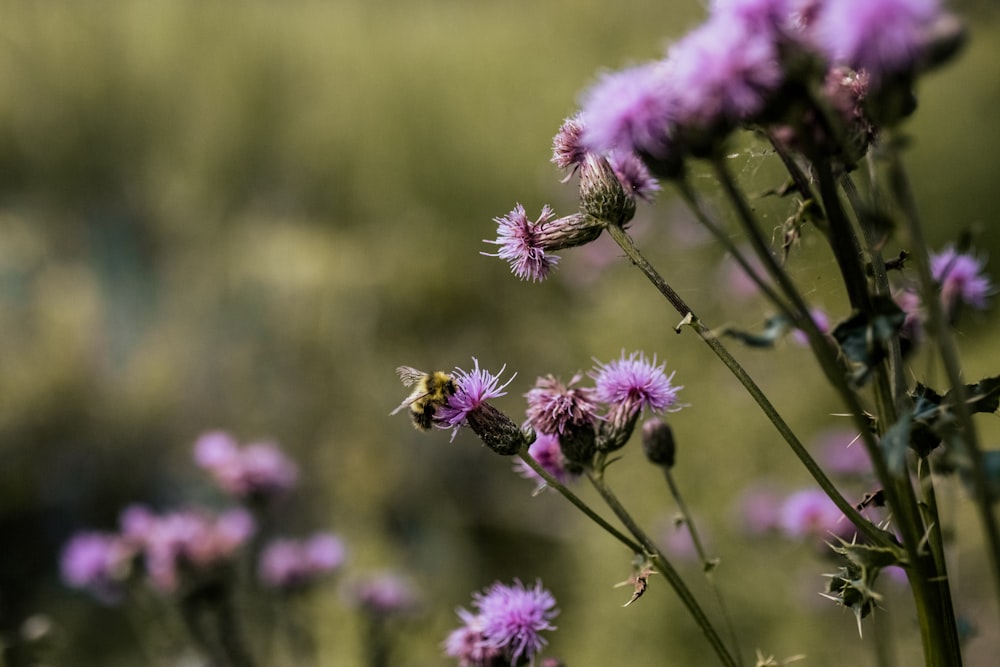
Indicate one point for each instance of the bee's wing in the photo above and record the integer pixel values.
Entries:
(409, 376)
(410, 400)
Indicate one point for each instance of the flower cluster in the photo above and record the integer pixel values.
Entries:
(789, 67)
(751, 58)
(288, 564)
(258, 470)
(99, 563)
(168, 546)
(506, 627)
(178, 550)
(177, 542)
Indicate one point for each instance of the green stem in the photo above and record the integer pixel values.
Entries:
(707, 565)
(873, 533)
(664, 567)
(899, 495)
(577, 502)
(938, 326)
(694, 203)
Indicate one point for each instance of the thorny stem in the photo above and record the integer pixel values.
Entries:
(664, 567)
(928, 578)
(938, 325)
(896, 490)
(577, 502)
(870, 531)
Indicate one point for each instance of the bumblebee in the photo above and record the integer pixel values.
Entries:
(429, 391)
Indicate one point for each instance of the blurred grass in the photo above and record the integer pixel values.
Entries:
(246, 215)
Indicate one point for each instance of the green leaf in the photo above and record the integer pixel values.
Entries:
(868, 556)
(983, 396)
(774, 328)
(864, 339)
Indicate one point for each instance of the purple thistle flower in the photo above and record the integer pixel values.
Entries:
(468, 644)
(882, 37)
(635, 383)
(634, 175)
(290, 564)
(552, 405)
(759, 510)
(568, 150)
(723, 73)
(259, 470)
(383, 594)
(98, 563)
(520, 245)
(548, 453)
(763, 13)
(513, 618)
(472, 389)
(913, 324)
(631, 111)
(822, 323)
(811, 513)
(192, 538)
(961, 279)
(842, 453)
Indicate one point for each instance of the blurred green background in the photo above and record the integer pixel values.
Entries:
(245, 215)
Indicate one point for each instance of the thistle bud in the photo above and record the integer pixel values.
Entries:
(578, 443)
(658, 443)
(496, 430)
(568, 232)
(618, 427)
(601, 193)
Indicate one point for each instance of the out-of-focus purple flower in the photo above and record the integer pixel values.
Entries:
(98, 563)
(882, 37)
(547, 452)
(723, 72)
(759, 510)
(216, 449)
(811, 513)
(472, 390)
(513, 618)
(678, 541)
(842, 453)
(185, 540)
(961, 279)
(734, 281)
(635, 383)
(633, 174)
(467, 643)
(259, 470)
(384, 594)
(765, 14)
(552, 405)
(822, 323)
(631, 111)
(913, 324)
(291, 564)
(521, 246)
